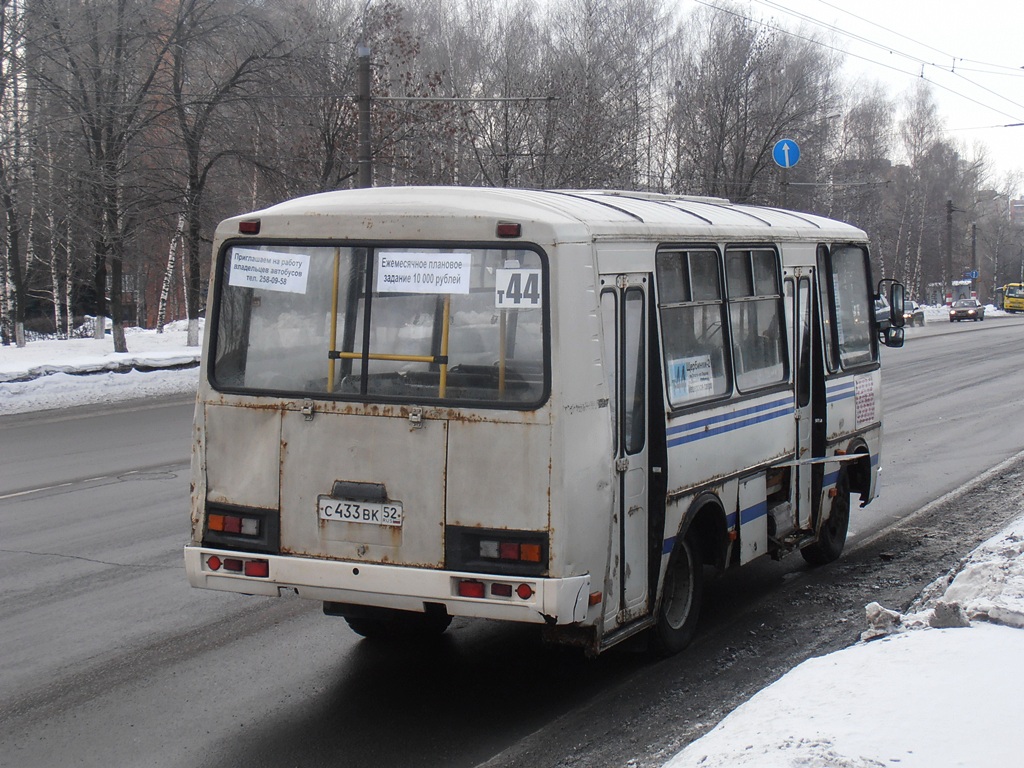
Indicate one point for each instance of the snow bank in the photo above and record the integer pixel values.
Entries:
(910, 694)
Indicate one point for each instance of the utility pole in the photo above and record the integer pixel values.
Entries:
(975, 275)
(949, 247)
(365, 160)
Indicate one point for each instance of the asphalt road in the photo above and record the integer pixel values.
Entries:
(110, 659)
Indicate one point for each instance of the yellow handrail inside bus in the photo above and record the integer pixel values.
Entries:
(442, 383)
(441, 360)
(382, 356)
(501, 355)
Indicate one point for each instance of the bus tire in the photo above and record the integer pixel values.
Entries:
(388, 624)
(681, 599)
(832, 536)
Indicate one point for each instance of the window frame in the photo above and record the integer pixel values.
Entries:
(778, 297)
(661, 303)
(830, 319)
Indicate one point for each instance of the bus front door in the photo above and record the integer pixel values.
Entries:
(624, 316)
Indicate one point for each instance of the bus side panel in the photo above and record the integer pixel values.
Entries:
(752, 511)
(854, 404)
(726, 440)
(854, 411)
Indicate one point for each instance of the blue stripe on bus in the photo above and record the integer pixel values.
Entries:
(842, 391)
(747, 515)
(750, 514)
(702, 428)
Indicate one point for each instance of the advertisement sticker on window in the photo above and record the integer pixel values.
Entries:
(691, 377)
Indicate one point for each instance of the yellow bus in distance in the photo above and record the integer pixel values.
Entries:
(1013, 297)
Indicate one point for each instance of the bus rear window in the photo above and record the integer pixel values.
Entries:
(382, 324)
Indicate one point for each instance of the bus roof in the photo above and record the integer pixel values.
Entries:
(602, 213)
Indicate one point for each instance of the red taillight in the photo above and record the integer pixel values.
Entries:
(525, 591)
(250, 227)
(508, 229)
(259, 569)
(501, 590)
(508, 550)
(232, 524)
(471, 589)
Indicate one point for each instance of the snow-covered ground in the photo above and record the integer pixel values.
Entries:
(936, 687)
(60, 374)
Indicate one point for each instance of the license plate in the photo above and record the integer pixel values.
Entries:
(387, 513)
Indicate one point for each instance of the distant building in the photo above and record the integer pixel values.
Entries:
(1017, 211)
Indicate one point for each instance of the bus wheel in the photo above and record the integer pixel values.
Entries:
(680, 600)
(832, 536)
(388, 624)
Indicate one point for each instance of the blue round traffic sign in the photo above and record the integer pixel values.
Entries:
(786, 153)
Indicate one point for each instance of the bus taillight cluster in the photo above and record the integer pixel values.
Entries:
(482, 589)
(257, 569)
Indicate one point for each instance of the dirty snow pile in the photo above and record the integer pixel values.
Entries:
(939, 686)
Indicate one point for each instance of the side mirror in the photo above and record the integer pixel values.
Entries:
(896, 300)
(893, 337)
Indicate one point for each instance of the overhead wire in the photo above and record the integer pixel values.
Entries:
(919, 63)
(952, 69)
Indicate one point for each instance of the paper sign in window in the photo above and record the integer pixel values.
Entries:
(517, 289)
(269, 270)
(423, 272)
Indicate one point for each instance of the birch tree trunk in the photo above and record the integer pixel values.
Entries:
(172, 260)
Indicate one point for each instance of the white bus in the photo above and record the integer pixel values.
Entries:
(555, 407)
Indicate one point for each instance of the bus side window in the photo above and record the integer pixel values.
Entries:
(756, 317)
(692, 310)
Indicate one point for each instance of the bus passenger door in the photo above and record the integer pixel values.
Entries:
(624, 316)
(809, 393)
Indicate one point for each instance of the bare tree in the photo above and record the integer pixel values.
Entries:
(155, 120)
(100, 62)
(740, 88)
(13, 162)
(218, 54)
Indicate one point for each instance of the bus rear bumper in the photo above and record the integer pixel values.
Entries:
(546, 601)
